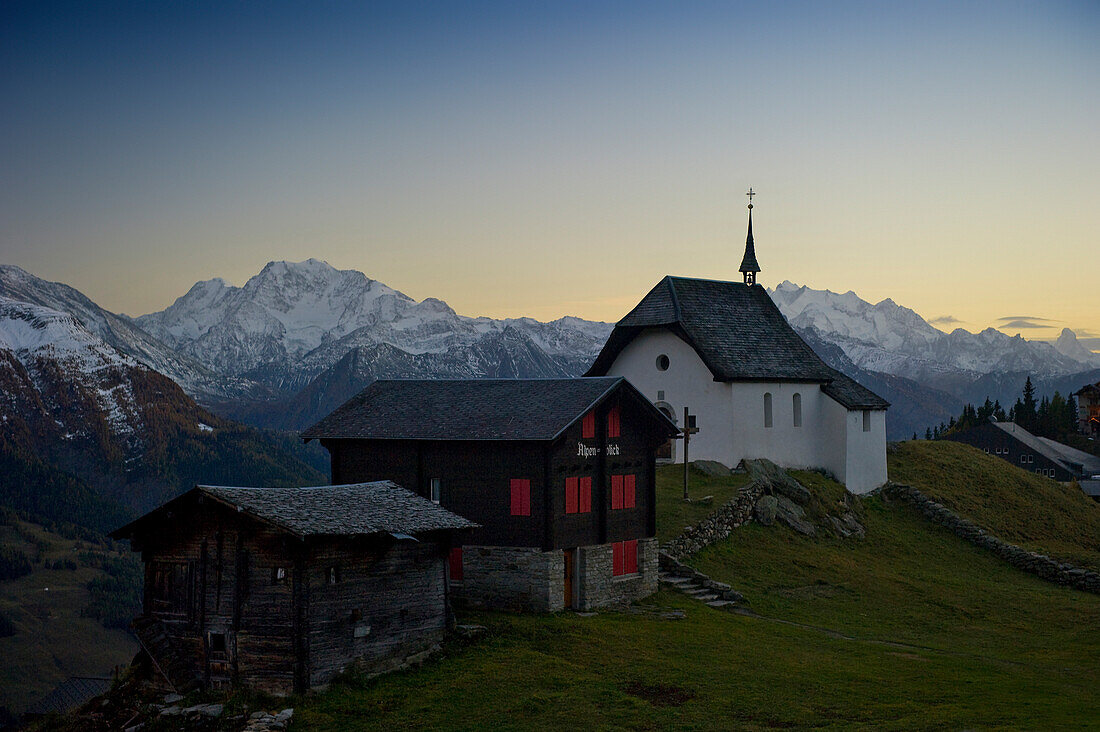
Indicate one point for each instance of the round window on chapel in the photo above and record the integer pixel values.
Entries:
(662, 362)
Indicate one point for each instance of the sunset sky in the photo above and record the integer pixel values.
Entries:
(547, 159)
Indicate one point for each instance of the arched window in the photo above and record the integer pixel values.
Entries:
(796, 402)
(768, 409)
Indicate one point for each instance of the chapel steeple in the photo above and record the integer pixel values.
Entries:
(749, 265)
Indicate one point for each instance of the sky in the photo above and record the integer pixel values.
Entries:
(550, 159)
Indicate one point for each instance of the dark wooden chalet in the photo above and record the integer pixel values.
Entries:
(559, 473)
(278, 589)
(1011, 442)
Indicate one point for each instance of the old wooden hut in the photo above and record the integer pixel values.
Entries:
(279, 589)
(559, 473)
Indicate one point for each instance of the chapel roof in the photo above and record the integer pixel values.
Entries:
(739, 334)
(473, 409)
(380, 507)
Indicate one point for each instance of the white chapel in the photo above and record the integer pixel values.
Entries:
(725, 351)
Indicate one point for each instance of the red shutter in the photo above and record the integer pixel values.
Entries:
(613, 422)
(630, 557)
(571, 495)
(588, 426)
(456, 564)
(585, 495)
(628, 491)
(616, 491)
(616, 559)
(521, 496)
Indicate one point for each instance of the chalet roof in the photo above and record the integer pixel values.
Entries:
(472, 409)
(1088, 389)
(850, 394)
(1090, 464)
(1039, 445)
(381, 507)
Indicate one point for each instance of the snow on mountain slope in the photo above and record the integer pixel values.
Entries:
(292, 321)
(892, 339)
(80, 381)
(122, 334)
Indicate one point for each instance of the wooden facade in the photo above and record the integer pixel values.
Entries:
(232, 598)
(546, 497)
(474, 477)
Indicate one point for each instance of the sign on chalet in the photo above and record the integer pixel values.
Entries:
(559, 473)
(279, 589)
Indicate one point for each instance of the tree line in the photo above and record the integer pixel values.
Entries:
(1053, 417)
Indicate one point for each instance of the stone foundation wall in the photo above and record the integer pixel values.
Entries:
(512, 578)
(596, 587)
(1038, 564)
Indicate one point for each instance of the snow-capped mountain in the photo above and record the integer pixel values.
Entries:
(122, 334)
(292, 321)
(62, 376)
(78, 415)
(888, 338)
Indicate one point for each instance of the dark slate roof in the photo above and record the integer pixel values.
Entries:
(70, 694)
(470, 409)
(1087, 389)
(748, 262)
(849, 393)
(736, 329)
(1035, 443)
(381, 507)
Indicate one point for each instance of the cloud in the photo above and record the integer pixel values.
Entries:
(1024, 322)
(945, 320)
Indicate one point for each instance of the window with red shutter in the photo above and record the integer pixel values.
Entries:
(613, 422)
(456, 564)
(630, 557)
(585, 495)
(571, 502)
(521, 496)
(616, 491)
(617, 559)
(628, 491)
(588, 426)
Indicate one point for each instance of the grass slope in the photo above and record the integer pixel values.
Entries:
(52, 640)
(941, 634)
(1016, 505)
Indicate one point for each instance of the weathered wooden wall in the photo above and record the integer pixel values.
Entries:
(297, 631)
(388, 603)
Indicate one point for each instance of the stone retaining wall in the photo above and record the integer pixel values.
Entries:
(1037, 564)
(717, 526)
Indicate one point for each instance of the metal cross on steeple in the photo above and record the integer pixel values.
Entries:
(749, 265)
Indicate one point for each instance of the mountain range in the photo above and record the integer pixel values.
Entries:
(89, 435)
(297, 339)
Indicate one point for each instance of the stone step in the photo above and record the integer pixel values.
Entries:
(721, 603)
(710, 596)
(677, 581)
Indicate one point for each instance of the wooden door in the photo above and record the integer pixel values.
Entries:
(570, 569)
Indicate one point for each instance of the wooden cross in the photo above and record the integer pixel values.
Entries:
(688, 430)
